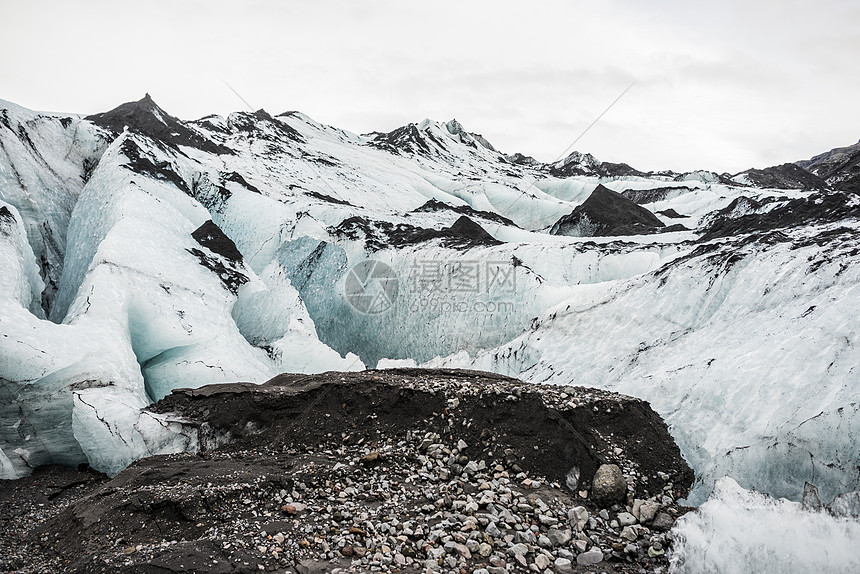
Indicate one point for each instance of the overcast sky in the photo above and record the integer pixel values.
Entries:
(719, 85)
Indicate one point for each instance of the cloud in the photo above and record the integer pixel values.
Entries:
(720, 85)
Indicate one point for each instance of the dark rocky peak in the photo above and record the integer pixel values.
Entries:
(263, 114)
(654, 194)
(428, 138)
(406, 138)
(745, 216)
(456, 128)
(262, 125)
(521, 159)
(785, 176)
(470, 231)
(577, 163)
(435, 205)
(608, 213)
(378, 235)
(840, 167)
(146, 117)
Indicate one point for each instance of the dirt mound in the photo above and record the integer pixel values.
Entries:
(388, 470)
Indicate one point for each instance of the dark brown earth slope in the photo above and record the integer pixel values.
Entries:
(381, 470)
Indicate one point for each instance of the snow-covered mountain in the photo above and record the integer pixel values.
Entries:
(142, 253)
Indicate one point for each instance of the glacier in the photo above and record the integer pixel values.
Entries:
(142, 254)
(738, 531)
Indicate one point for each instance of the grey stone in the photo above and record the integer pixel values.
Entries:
(625, 519)
(608, 486)
(629, 533)
(563, 566)
(518, 549)
(662, 521)
(593, 556)
(578, 517)
(559, 537)
(811, 498)
(542, 561)
(648, 510)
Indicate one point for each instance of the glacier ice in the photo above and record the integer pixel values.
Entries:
(747, 345)
(737, 531)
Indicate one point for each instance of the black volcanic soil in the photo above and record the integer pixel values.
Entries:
(359, 471)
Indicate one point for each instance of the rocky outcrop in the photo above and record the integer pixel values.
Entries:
(785, 176)
(376, 470)
(608, 213)
(145, 117)
(840, 167)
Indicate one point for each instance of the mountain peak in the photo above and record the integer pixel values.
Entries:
(146, 117)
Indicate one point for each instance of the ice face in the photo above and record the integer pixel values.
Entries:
(449, 300)
(45, 160)
(144, 307)
(746, 350)
(740, 531)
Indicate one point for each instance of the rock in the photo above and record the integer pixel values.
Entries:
(493, 530)
(463, 550)
(606, 213)
(648, 510)
(625, 519)
(371, 458)
(484, 550)
(578, 517)
(593, 556)
(629, 533)
(542, 562)
(811, 498)
(461, 444)
(563, 566)
(518, 549)
(662, 521)
(608, 486)
(559, 537)
(654, 551)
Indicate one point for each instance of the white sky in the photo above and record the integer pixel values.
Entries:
(720, 85)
